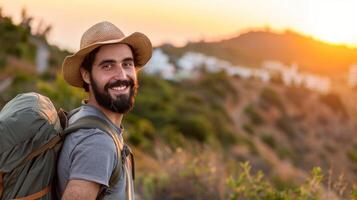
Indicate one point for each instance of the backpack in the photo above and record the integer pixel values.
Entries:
(31, 136)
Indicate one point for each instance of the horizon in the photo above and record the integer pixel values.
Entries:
(328, 21)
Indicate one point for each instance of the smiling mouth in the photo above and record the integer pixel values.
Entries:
(120, 88)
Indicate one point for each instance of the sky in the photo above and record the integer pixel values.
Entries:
(177, 22)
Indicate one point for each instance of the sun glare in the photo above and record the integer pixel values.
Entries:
(333, 21)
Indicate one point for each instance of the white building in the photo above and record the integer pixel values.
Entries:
(159, 64)
(191, 63)
(292, 77)
(42, 54)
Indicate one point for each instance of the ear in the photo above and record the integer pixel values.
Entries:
(85, 75)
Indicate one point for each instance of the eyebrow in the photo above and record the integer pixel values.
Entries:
(107, 61)
(111, 61)
(127, 59)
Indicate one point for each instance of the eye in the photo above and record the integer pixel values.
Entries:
(106, 67)
(128, 64)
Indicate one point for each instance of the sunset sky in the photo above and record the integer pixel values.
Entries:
(177, 22)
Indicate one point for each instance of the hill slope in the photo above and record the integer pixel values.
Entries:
(252, 48)
(189, 137)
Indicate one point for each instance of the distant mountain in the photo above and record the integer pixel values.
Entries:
(252, 48)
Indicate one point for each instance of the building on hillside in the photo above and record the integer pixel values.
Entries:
(262, 75)
(240, 71)
(42, 54)
(318, 83)
(159, 64)
(291, 76)
(191, 64)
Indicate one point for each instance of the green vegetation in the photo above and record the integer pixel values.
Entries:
(184, 109)
(219, 85)
(68, 98)
(255, 187)
(283, 153)
(354, 192)
(352, 155)
(19, 42)
(248, 128)
(163, 109)
(14, 41)
(269, 140)
(190, 116)
(286, 125)
(271, 97)
(253, 115)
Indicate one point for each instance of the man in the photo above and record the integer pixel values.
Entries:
(106, 67)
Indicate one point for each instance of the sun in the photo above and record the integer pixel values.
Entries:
(333, 21)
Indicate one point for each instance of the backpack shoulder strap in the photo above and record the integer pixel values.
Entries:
(92, 122)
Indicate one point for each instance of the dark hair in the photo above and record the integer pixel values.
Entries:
(87, 64)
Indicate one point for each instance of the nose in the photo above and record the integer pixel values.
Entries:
(120, 73)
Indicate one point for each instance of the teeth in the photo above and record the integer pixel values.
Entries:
(119, 88)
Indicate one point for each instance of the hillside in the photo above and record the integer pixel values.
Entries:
(18, 47)
(191, 137)
(254, 47)
(296, 125)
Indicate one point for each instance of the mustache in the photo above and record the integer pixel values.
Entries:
(129, 82)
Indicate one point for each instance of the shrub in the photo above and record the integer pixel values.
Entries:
(248, 128)
(255, 187)
(352, 155)
(135, 138)
(334, 102)
(155, 101)
(283, 153)
(268, 140)
(281, 184)
(195, 127)
(219, 85)
(354, 192)
(22, 82)
(248, 142)
(172, 136)
(198, 176)
(271, 97)
(61, 93)
(141, 132)
(285, 124)
(296, 94)
(253, 115)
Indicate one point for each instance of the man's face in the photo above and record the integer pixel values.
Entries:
(113, 79)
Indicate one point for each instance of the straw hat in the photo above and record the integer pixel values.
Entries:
(101, 34)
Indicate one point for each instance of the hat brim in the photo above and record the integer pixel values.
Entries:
(139, 43)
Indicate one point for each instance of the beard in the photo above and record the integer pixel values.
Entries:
(122, 103)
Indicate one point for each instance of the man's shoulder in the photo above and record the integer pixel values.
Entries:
(92, 136)
(88, 154)
(89, 137)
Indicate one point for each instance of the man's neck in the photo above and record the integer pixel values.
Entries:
(114, 117)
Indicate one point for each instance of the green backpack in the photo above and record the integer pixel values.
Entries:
(31, 136)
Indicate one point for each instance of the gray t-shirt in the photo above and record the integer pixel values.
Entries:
(89, 154)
